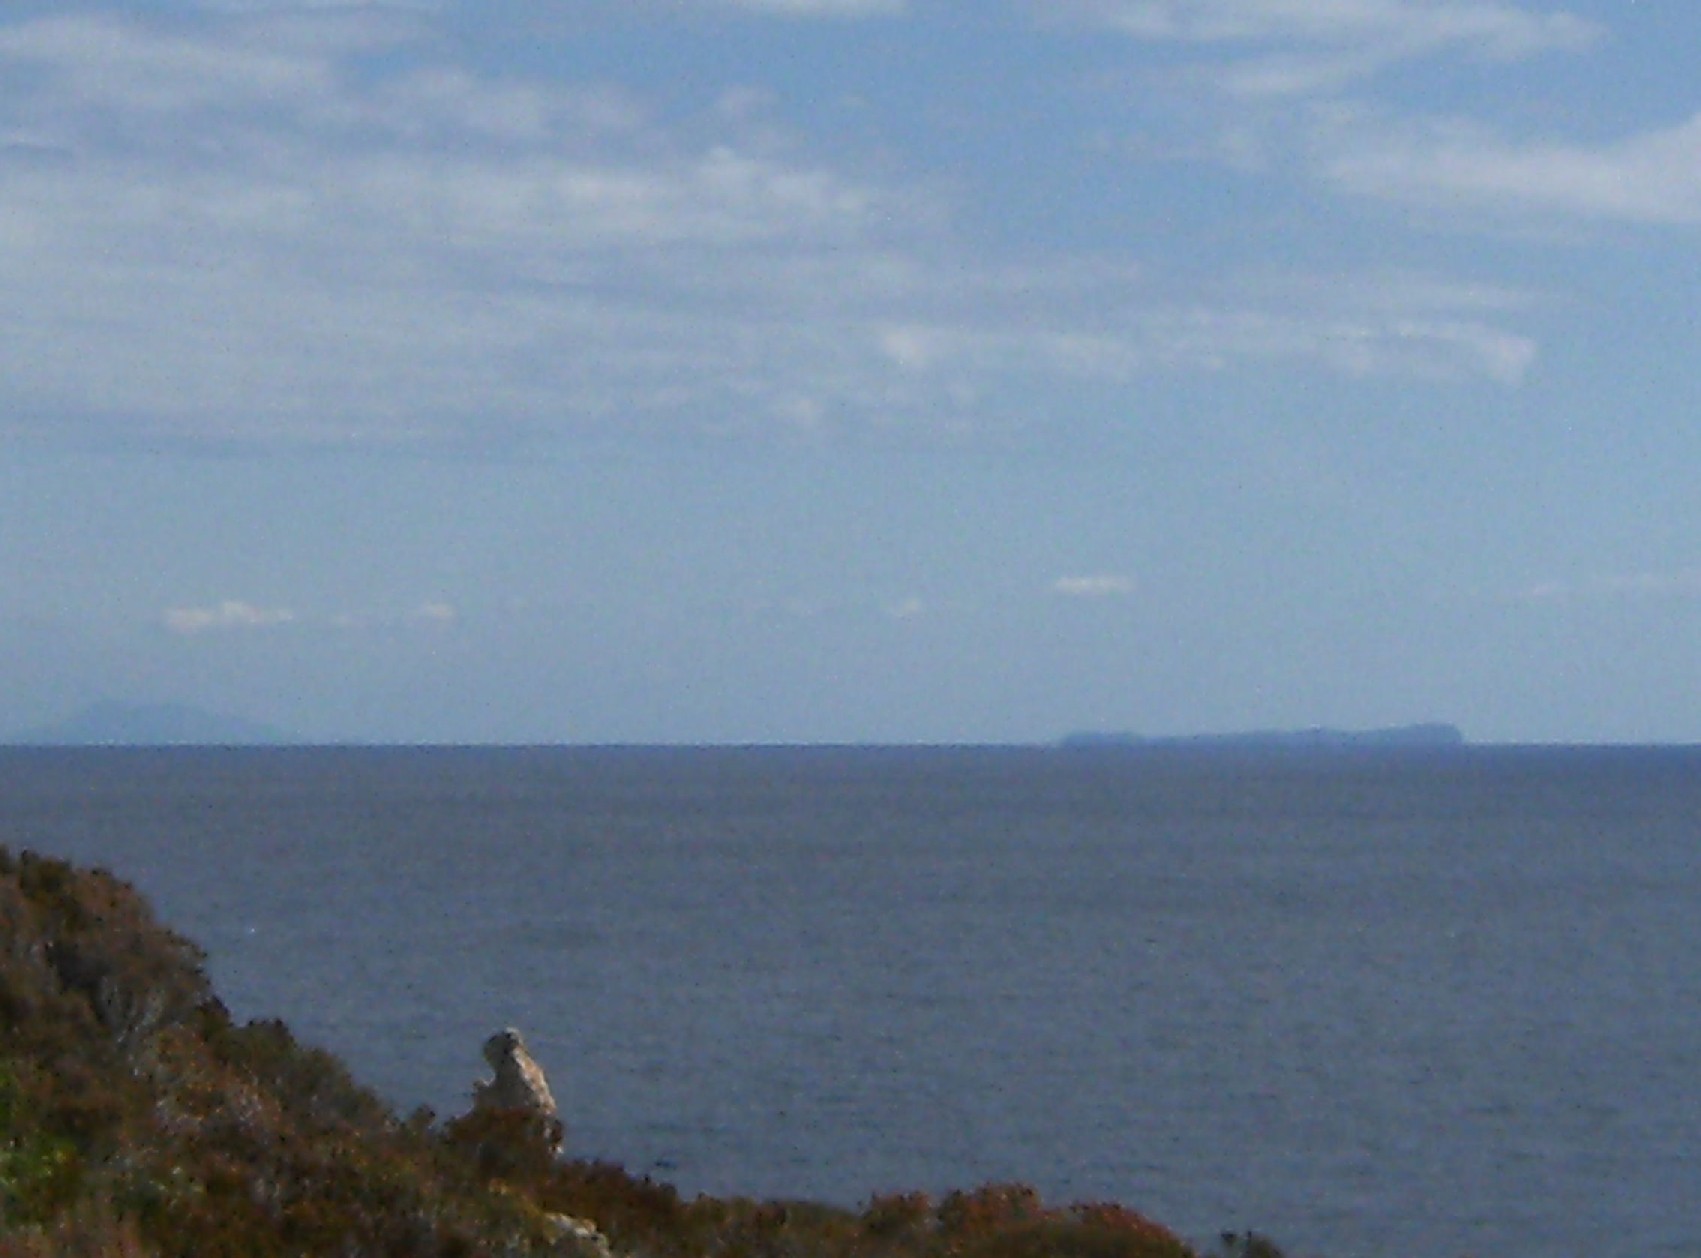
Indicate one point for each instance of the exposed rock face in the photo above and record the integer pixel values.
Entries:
(137, 1118)
(518, 1082)
(581, 1236)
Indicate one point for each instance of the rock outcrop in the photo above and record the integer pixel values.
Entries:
(137, 1118)
(582, 1236)
(517, 1082)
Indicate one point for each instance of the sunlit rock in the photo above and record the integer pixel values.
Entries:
(518, 1082)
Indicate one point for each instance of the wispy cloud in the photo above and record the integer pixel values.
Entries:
(230, 615)
(277, 249)
(435, 613)
(1653, 177)
(1325, 320)
(216, 232)
(236, 615)
(1285, 47)
(1501, 29)
(1682, 583)
(1256, 58)
(1094, 586)
(820, 8)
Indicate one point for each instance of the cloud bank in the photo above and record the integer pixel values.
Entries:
(304, 225)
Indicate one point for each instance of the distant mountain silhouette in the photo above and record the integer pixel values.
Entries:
(1429, 734)
(113, 724)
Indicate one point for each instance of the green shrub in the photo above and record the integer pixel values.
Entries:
(40, 1172)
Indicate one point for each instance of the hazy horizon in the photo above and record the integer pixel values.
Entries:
(115, 725)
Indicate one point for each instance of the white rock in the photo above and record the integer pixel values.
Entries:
(518, 1082)
(585, 1236)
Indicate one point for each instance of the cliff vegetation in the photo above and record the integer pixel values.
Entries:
(139, 1120)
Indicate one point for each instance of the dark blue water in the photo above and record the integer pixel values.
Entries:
(1391, 1003)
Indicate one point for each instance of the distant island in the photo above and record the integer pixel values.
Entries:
(113, 724)
(1428, 734)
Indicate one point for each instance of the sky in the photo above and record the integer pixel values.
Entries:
(767, 371)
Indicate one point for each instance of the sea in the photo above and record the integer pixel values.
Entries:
(1396, 1001)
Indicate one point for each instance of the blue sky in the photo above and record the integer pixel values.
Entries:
(853, 370)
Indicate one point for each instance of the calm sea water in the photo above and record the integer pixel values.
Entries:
(1392, 1003)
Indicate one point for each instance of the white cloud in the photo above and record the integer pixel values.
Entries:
(1682, 583)
(435, 613)
(208, 234)
(1097, 586)
(101, 63)
(283, 252)
(826, 10)
(1214, 338)
(1654, 177)
(821, 8)
(317, 6)
(1303, 46)
(232, 614)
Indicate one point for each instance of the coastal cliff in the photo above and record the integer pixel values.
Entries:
(138, 1119)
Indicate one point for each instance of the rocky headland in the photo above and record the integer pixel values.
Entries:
(139, 1120)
